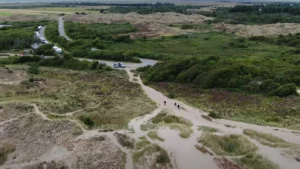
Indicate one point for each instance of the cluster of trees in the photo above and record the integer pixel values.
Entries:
(15, 38)
(153, 9)
(216, 72)
(258, 14)
(105, 55)
(290, 40)
(66, 62)
(45, 50)
(293, 9)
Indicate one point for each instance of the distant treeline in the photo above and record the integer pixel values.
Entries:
(152, 9)
(257, 14)
(293, 9)
(74, 4)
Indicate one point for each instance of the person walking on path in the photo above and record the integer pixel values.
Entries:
(175, 104)
(165, 103)
(178, 106)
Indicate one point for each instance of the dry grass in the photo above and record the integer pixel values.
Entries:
(154, 136)
(207, 129)
(152, 156)
(108, 99)
(267, 139)
(203, 150)
(256, 161)
(166, 120)
(232, 145)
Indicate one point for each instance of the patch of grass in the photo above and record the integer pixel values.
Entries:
(125, 140)
(232, 145)
(267, 139)
(167, 118)
(203, 149)
(174, 122)
(148, 126)
(256, 161)
(4, 13)
(161, 156)
(141, 144)
(154, 136)
(185, 131)
(5, 150)
(207, 129)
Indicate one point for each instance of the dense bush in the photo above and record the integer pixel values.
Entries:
(45, 50)
(215, 72)
(285, 90)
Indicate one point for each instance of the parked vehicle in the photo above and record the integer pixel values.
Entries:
(119, 65)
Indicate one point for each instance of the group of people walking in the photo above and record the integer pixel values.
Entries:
(175, 104)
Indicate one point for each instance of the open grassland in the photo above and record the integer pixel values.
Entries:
(204, 44)
(256, 109)
(232, 145)
(98, 99)
(4, 13)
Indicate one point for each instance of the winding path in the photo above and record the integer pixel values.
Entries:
(183, 151)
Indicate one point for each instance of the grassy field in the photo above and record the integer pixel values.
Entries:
(108, 99)
(4, 13)
(203, 44)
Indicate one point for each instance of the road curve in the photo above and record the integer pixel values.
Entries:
(144, 62)
(61, 28)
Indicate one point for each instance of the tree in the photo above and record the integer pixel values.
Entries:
(33, 68)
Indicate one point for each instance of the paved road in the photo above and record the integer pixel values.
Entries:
(61, 28)
(42, 32)
(145, 62)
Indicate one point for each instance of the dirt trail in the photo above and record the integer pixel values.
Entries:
(182, 148)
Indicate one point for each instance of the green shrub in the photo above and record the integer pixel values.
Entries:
(285, 90)
(33, 68)
(87, 121)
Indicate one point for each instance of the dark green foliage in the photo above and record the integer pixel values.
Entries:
(33, 68)
(268, 85)
(213, 114)
(105, 55)
(215, 72)
(263, 14)
(87, 121)
(285, 90)
(102, 31)
(45, 50)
